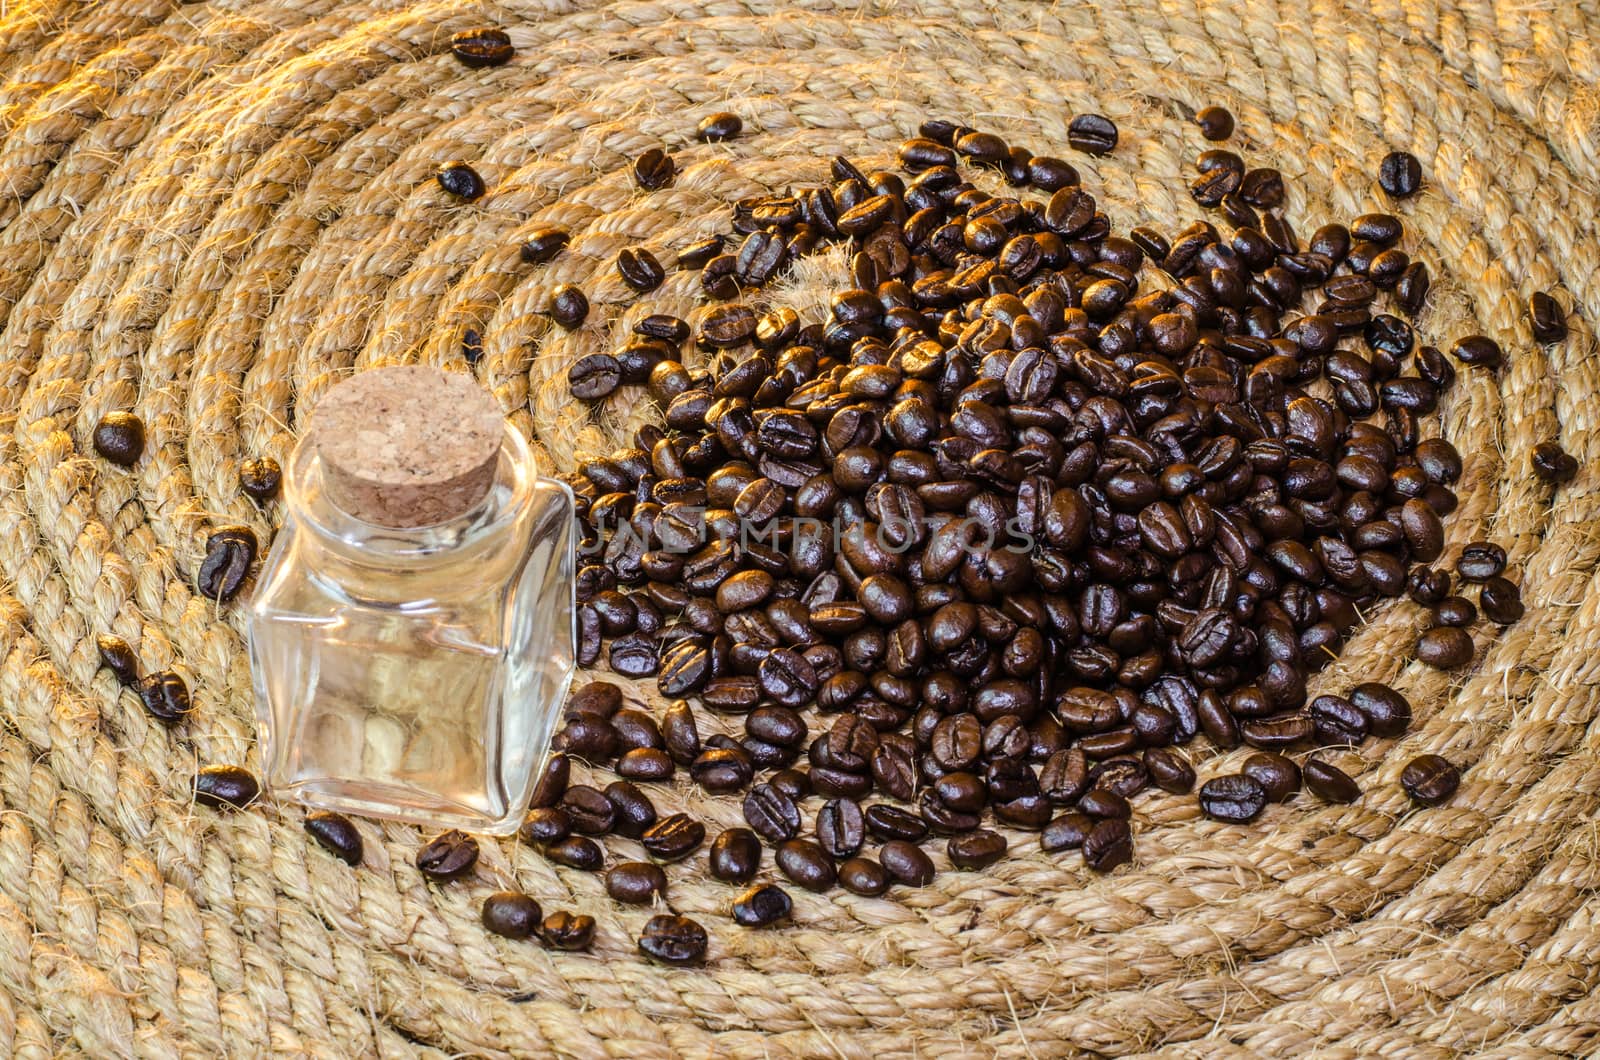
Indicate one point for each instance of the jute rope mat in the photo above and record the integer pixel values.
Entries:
(208, 213)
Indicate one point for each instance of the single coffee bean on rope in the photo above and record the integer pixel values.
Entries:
(118, 656)
(1501, 601)
(1093, 134)
(1430, 779)
(1478, 351)
(635, 882)
(673, 939)
(763, 905)
(1445, 647)
(807, 864)
(448, 856)
(594, 376)
(1108, 844)
(1216, 123)
(569, 307)
(1234, 798)
(576, 852)
(735, 855)
(512, 915)
(1546, 317)
(119, 437)
(479, 48)
(1400, 174)
(544, 243)
(1329, 783)
(1554, 464)
(261, 479)
(229, 553)
(546, 825)
(715, 128)
(567, 931)
(640, 269)
(226, 787)
(165, 696)
(1278, 776)
(336, 834)
(654, 169)
(460, 180)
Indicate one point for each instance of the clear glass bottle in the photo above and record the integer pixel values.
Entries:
(417, 672)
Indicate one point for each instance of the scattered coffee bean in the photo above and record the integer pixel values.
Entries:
(478, 48)
(1478, 351)
(552, 782)
(544, 243)
(1278, 776)
(975, 850)
(1554, 464)
(1546, 317)
(1330, 783)
(807, 864)
(635, 882)
(119, 437)
(1234, 798)
(1108, 844)
(1480, 561)
(229, 553)
(594, 376)
(1216, 123)
(735, 855)
(1093, 134)
(576, 852)
(673, 940)
(513, 915)
(1430, 779)
(547, 825)
(906, 863)
(634, 812)
(762, 905)
(588, 809)
(654, 169)
(165, 696)
(447, 856)
(567, 931)
(640, 269)
(460, 180)
(715, 128)
(336, 834)
(569, 307)
(117, 656)
(863, 876)
(1066, 832)
(673, 838)
(261, 479)
(645, 763)
(1400, 174)
(1445, 647)
(1501, 601)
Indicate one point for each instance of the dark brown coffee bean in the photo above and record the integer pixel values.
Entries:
(1454, 611)
(1501, 601)
(787, 678)
(863, 876)
(448, 856)
(552, 783)
(1065, 776)
(567, 931)
(1169, 770)
(1066, 832)
(600, 698)
(977, 850)
(639, 269)
(547, 825)
(1330, 783)
(635, 882)
(1546, 317)
(1423, 529)
(1216, 123)
(673, 838)
(1430, 779)
(589, 811)
(735, 855)
(165, 696)
(807, 864)
(885, 822)
(261, 479)
(1554, 464)
(1097, 802)
(906, 863)
(1399, 174)
(460, 180)
(119, 437)
(513, 915)
(1278, 776)
(576, 852)
(594, 376)
(681, 733)
(645, 763)
(336, 834)
(1480, 561)
(118, 657)
(229, 553)
(1478, 351)
(715, 128)
(1234, 798)
(771, 813)
(478, 48)
(1108, 845)
(722, 769)
(1445, 647)
(544, 243)
(590, 738)
(841, 827)
(569, 307)
(762, 905)
(654, 169)
(1092, 133)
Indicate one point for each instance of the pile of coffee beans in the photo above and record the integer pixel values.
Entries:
(1038, 505)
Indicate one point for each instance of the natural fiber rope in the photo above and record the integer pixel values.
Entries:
(209, 212)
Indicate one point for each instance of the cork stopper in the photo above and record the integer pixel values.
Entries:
(407, 446)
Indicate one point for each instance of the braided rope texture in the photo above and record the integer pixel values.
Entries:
(211, 212)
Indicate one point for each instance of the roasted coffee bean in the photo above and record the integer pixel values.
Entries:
(1479, 351)
(118, 657)
(567, 931)
(1098, 802)
(576, 852)
(1554, 464)
(1400, 174)
(645, 763)
(884, 822)
(680, 732)
(336, 834)
(1278, 776)
(1430, 779)
(1234, 798)
(569, 307)
(544, 243)
(165, 696)
(1169, 770)
(1216, 123)
(1501, 601)
(448, 856)
(1066, 832)
(722, 769)
(906, 863)
(634, 812)
(1454, 611)
(1093, 134)
(478, 48)
(460, 180)
(673, 838)
(594, 376)
(600, 698)
(639, 269)
(654, 169)
(735, 855)
(1445, 647)
(841, 827)
(119, 437)
(1108, 845)
(1546, 317)
(589, 811)
(547, 825)
(1480, 561)
(771, 813)
(1388, 713)
(977, 850)
(635, 882)
(762, 905)
(1330, 783)
(863, 876)
(513, 915)
(807, 864)
(261, 479)
(715, 128)
(788, 678)
(229, 553)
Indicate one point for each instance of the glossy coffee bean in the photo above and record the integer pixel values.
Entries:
(567, 931)
(548, 825)
(639, 269)
(512, 915)
(569, 307)
(1330, 783)
(448, 856)
(763, 905)
(1234, 798)
(1501, 601)
(735, 855)
(654, 169)
(261, 479)
(479, 48)
(230, 551)
(1278, 776)
(906, 863)
(1546, 317)
(1445, 647)
(336, 834)
(1554, 464)
(1092, 133)
(226, 787)
(715, 128)
(544, 243)
(1430, 779)
(635, 882)
(1216, 123)
(807, 864)
(1108, 844)
(863, 876)
(1400, 174)
(117, 656)
(576, 852)
(461, 181)
(119, 437)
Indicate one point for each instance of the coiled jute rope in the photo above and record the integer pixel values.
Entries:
(211, 212)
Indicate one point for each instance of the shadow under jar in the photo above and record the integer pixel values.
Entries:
(412, 635)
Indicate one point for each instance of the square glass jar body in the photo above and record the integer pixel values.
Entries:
(416, 674)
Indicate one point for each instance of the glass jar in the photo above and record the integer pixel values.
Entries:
(416, 673)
